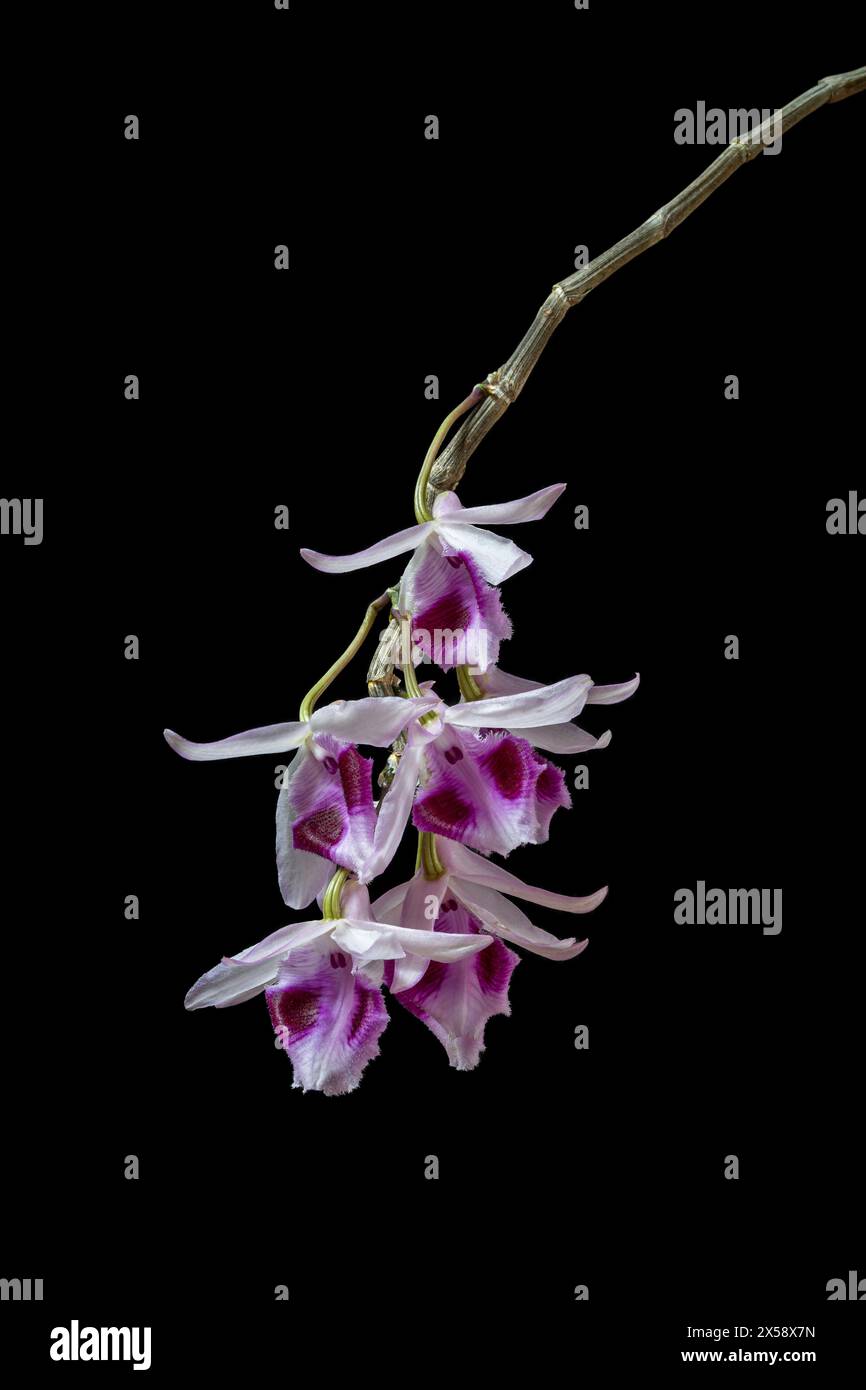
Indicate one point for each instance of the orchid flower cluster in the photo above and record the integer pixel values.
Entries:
(471, 777)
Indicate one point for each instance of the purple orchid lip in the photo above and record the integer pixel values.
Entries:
(458, 618)
(491, 792)
(456, 1001)
(327, 1020)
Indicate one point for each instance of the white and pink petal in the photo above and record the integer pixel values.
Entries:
(496, 557)
(395, 808)
(613, 694)
(467, 869)
(531, 508)
(505, 918)
(548, 704)
(564, 738)
(271, 738)
(375, 721)
(387, 907)
(397, 544)
(302, 876)
(239, 977)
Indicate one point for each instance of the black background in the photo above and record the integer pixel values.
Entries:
(707, 517)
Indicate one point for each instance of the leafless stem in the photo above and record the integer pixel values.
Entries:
(504, 385)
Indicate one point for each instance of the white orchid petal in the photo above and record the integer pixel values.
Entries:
(280, 942)
(271, 738)
(302, 875)
(238, 978)
(564, 738)
(549, 704)
(471, 869)
(375, 941)
(407, 972)
(366, 941)
(397, 544)
(508, 920)
(496, 557)
(438, 945)
(387, 907)
(531, 508)
(612, 694)
(395, 809)
(377, 721)
(355, 902)
(231, 984)
(495, 681)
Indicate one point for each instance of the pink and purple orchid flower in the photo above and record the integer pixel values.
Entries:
(436, 945)
(455, 999)
(322, 983)
(326, 817)
(464, 774)
(469, 776)
(448, 585)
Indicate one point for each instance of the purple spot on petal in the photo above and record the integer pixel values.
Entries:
(455, 561)
(430, 983)
(453, 755)
(330, 764)
(451, 612)
(355, 775)
(494, 964)
(296, 1009)
(551, 785)
(366, 1012)
(506, 767)
(444, 813)
(319, 832)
